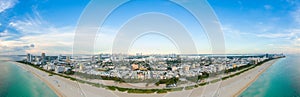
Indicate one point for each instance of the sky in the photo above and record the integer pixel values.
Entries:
(249, 26)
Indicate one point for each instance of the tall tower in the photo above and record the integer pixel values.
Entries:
(43, 56)
(68, 59)
(29, 57)
(93, 58)
(267, 55)
(59, 57)
(99, 57)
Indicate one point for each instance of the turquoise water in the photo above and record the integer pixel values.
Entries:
(282, 79)
(17, 82)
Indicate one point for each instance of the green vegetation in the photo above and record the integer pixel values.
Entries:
(202, 84)
(176, 89)
(122, 89)
(170, 81)
(160, 91)
(90, 76)
(113, 88)
(214, 81)
(164, 81)
(189, 87)
(142, 90)
(245, 68)
(192, 79)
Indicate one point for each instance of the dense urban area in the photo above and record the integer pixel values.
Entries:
(171, 71)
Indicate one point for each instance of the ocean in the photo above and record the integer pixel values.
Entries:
(17, 82)
(282, 79)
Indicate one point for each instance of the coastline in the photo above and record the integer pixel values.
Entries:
(232, 87)
(25, 67)
(67, 88)
(253, 80)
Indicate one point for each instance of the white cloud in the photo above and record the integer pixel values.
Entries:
(6, 4)
(292, 38)
(4, 33)
(44, 36)
(287, 41)
(296, 15)
(296, 42)
(268, 7)
(31, 25)
(274, 35)
(50, 39)
(230, 32)
(58, 42)
(53, 42)
(13, 47)
(233, 33)
(287, 34)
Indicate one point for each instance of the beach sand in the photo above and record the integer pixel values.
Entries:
(228, 88)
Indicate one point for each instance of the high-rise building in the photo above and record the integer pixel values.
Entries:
(81, 67)
(99, 57)
(43, 56)
(68, 59)
(59, 57)
(186, 68)
(29, 57)
(139, 54)
(93, 58)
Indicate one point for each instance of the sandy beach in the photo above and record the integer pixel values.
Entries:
(230, 87)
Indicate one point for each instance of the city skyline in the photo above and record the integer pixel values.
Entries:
(49, 26)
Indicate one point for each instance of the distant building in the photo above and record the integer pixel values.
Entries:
(43, 56)
(59, 57)
(59, 69)
(193, 65)
(81, 67)
(29, 57)
(139, 54)
(67, 69)
(174, 68)
(51, 67)
(68, 59)
(93, 58)
(99, 57)
(186, 68)
(135, 66)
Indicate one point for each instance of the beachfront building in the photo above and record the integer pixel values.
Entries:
(29, 57)
(146, 67)
(59, 69)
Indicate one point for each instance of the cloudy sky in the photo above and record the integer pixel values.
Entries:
(249, 26)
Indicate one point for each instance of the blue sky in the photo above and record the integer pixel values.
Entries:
(249, 26)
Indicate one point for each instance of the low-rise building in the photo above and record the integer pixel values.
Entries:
(59, 69)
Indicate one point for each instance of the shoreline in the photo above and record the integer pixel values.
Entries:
(232, 87)
(64, 87)
(57, 92)
(253, 80)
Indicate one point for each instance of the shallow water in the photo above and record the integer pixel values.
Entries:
(17, 82)
(280, 80)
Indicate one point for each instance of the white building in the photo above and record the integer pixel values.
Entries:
(59, 69)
